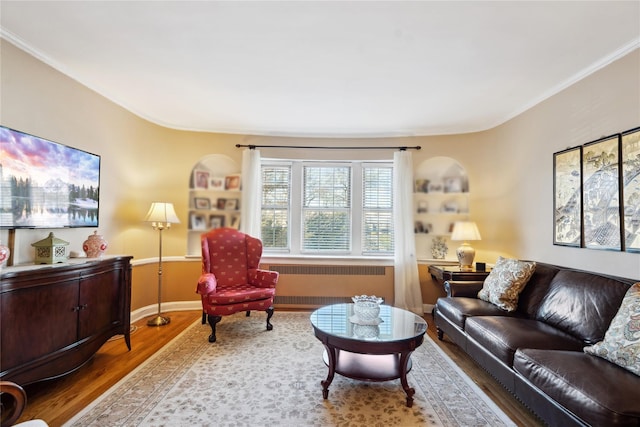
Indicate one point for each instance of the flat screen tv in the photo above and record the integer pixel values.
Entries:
(44, 184)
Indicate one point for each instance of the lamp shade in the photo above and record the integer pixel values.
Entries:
(161, 212)
(465, 231)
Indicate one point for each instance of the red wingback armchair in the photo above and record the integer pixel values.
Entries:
(231, 280)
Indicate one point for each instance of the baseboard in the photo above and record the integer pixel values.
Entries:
(427, 308)
(151, 310)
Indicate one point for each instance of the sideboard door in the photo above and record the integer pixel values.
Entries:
(38, 321)
(99, 302)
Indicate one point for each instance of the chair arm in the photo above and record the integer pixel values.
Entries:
(462, 288)
(207, 284)
(266, 278)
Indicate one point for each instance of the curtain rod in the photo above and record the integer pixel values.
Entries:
(402, 148)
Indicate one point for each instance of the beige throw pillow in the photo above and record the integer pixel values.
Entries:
(621, 344)
(506, 280)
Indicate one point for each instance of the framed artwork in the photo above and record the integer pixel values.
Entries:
(630, 152)
(567, 197)
(601, 221)
(217, 183)
(201, 179)
(232, 182)
(197, 221)
(216, 221)
(202, 203)
(221, 203)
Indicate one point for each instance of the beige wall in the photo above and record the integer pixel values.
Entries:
(510, 166)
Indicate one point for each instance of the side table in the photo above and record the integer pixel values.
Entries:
(444, 273)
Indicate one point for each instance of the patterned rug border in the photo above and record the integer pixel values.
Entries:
(441, 410)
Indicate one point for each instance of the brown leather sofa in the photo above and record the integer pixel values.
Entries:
(536, 352)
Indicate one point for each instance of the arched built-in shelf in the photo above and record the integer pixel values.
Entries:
(441, 197)
(214, 198)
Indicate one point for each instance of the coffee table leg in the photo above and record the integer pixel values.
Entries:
(410, 391)
(331, 355)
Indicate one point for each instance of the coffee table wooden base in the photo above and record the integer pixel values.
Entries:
(368, 367)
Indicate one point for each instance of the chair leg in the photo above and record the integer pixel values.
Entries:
(212, 322)
(269, 314)
(248, 313)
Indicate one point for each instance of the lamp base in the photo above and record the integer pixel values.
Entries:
(158, 321)
(465, 255)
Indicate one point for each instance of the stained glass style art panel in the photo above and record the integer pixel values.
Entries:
(567, 197)
(631, 189)
(601, 194)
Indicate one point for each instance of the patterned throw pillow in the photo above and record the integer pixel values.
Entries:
(621, 344)
(504, 283)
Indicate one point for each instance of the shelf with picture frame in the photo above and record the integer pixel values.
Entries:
(215, 190)
(441, 197)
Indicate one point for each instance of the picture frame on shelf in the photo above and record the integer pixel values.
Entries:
(601, 222)
(221, 203)
(630, 161)
(423, 206)
(217, 183)
(231, 204)
(455, 184)
(232, 182)
(435, 187)
(422, 228)
(421, 186)
(197, 222)
(201, 179)
(567, 197)
(202, 203)
(234, 221)
(216, 221)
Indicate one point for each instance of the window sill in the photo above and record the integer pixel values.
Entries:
(322, 260)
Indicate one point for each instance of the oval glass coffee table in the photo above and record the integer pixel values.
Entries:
(377, 351)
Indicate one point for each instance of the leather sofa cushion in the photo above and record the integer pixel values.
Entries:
(536, 289)
(582, 304)
(502, 336)
(595, 390)
(459, 308)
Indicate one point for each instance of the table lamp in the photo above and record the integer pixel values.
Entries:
(465, 231)
(161, 215)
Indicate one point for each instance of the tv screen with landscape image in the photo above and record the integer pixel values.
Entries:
(44, 184)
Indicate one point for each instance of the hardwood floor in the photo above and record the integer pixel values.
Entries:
(57, 401)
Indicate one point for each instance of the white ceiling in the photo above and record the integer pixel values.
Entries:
(325, 68)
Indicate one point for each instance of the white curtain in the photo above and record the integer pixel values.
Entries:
(406, 280)
(251, 193)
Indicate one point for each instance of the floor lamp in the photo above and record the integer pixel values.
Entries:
(161, 215)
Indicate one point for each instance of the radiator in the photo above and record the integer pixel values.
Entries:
(311, 286)
(330, 270)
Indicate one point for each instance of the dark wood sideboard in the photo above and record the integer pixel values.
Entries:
(53, 318)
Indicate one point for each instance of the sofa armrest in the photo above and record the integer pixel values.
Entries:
(462, 288)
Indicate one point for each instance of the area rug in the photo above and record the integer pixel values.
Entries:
(252, 377)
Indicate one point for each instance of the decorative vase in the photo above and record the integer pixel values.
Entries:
(94, 246)
(4, 254)
(439, 247)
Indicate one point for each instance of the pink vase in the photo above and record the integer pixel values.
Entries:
(94, 246)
